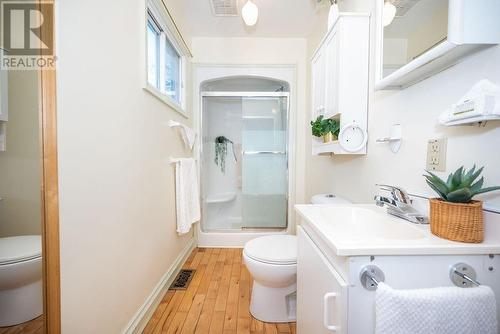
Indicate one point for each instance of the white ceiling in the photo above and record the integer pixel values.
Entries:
(277, 18)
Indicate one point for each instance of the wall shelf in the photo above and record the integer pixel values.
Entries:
(481, 120)
(331, 147)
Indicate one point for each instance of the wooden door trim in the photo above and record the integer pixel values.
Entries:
(49, 186)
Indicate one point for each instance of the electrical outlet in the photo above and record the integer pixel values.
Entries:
(436, 155)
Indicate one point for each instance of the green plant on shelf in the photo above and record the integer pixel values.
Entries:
(460, 187)
(321, 127)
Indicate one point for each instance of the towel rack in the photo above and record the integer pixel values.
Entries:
(461, 274)
(174, 124)
(172, 160)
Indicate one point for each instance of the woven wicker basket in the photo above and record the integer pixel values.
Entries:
(457, 221)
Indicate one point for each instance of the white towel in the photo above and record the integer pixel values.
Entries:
(188, 134)
(447, 310)
(186, 194)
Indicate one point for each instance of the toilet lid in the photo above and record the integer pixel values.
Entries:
(21, 248)
(275, 249)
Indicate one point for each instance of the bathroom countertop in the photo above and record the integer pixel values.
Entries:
(365, 229)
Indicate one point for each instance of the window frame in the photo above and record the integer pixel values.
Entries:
(158, 15)
(151, 22)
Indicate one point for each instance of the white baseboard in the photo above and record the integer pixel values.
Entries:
(145, 312)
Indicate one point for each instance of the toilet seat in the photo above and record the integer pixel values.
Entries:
(274, 249)
(20, 249)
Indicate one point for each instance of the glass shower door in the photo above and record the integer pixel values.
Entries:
(264, 166)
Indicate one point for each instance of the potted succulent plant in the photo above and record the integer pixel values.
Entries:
(327, 128)
(455, 215)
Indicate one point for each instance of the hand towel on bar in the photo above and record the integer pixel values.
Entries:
(446, 310)
(186, 194)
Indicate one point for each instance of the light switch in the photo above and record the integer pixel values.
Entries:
(436, 155)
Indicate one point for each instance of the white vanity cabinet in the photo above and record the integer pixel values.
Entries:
(340, 77)
(331, 298)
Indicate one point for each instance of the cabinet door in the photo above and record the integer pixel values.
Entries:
(318, 84)
(321, 291)
(331, 75)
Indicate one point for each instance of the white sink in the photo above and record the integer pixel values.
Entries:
(359, 222)
(365, 229)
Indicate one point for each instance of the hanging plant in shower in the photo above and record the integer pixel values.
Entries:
(221, 151)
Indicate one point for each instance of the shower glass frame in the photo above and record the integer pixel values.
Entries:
(242, 95)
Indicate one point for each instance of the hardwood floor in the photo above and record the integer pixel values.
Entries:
(216, 301)
(34, 326)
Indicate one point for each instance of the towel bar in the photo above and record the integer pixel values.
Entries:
(174, 160)
(461, 274)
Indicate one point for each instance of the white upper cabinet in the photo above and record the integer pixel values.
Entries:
(428, 36)
(340, 77)
(318, 84)
(331, 76)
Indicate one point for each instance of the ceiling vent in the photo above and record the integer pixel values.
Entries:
(403, 6)
(224, 7)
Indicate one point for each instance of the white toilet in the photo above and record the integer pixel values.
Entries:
(272, 261)
(21, 295)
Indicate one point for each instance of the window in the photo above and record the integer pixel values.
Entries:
(153, 54)
(166, 54)
(172, 72)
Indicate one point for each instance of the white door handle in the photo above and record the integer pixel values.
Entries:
(326, 311)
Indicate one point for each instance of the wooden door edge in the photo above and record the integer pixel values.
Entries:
(49, 185)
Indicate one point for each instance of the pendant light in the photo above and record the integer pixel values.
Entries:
(388, 13)
(250, 13)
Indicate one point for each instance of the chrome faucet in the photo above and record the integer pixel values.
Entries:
(399, 204)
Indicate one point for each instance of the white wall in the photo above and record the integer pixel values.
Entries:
(416, 109)
(117, 214)
(20, 164)
(268, 51)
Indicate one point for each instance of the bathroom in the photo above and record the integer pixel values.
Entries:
(20, 202)
(145, 90)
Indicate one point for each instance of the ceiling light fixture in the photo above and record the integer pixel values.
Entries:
(250, 13)
(388, 14)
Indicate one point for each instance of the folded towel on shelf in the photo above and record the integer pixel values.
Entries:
(446, 310)
(186, 194)
(188, 135)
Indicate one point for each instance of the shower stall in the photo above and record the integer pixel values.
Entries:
(244, 155)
